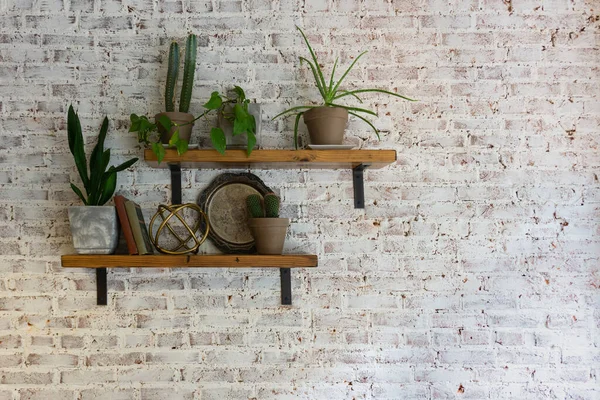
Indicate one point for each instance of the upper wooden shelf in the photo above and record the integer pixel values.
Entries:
(271, 159)
(190, 261)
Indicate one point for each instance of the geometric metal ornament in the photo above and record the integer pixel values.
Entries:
(173, 219)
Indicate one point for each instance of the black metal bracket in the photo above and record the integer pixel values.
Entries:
(101, 287)
(359, 186)
(175, 183)
(286, 286)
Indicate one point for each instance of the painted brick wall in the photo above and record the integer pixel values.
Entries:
(472, 273)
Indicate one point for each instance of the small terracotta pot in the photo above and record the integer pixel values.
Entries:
(326, 125)
(185, 131)
(269, 234)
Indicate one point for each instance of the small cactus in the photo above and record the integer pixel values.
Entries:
(189, 67)
(172, 73)
(254, 205)
(271, 205)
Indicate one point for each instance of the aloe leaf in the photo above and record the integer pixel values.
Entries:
(332, 74)
(289, 110)
(314, 57)
(296, 128)
(322, 88)
(172, 72)
(108, 187)
(78, 193)
(337, 85)
(347, 93)
(214, 102)
(367, 121)
(355, 109)
(76, 146)
(217, 137)
(251, 142)
(189, 69)
(354, 92)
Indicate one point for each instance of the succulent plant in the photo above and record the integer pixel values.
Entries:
(267, 207)
(271, 205)
(255, 206)
(101, 182)
(189, 67)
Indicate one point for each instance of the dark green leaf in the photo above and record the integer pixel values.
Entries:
(182, 146)
(217, 137)
(240, 93)
(240, 126)
(251, 142)
(165, 122)
(159, 150)
(76, 147)
(214, 102)
(78, 193)
(367, 121)
(337, 85)
(296, 128)
(289, 110)
(108, 188)
(125, 165)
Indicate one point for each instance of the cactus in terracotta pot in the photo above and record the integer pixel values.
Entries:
(267, 228)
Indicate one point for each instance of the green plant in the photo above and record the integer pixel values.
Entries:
(101, 182)
(146, 130)
(235, 110)
(260, 207)
(330, 91)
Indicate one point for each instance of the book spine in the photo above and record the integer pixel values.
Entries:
(125, 224)
(138, 227)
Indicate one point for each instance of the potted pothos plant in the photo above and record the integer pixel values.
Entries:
(327, 121)
(236, 117)
(173, 127)
(94, 226)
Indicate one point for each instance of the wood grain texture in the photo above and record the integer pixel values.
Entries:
(276, 159)
(190, 261)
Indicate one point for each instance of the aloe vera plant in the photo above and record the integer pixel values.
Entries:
(146, 129)
(331, 93)
(100, 183)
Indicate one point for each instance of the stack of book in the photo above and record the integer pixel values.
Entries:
(133, 226)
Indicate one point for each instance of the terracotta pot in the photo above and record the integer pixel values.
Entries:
(269, 234)
(185, 131)
(326, 125)
(95, 229)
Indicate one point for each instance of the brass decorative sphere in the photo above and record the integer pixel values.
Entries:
(174, 213)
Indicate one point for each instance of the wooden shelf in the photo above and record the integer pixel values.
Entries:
(275, 159)
(190, 261)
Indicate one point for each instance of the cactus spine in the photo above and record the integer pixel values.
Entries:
(254, 204)
(172, 73)
(189, 68)
(271, 205)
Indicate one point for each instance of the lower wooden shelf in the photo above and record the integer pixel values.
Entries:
(191, 261)
(102, 262)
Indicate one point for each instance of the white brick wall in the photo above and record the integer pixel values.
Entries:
(472, 273)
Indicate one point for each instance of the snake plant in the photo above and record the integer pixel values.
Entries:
(100, 183)
(330, 91)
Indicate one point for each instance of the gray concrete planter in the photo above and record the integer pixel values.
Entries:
(95, 229)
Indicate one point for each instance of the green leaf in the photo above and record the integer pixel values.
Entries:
(217, 137)
(251, 142)
(367, 121)
(75, 137)
(289, 110)
(354, 92)
(159, 150)
(108, 188)
(174, 138)
(125, 165)
(322, 88)
(182, 146)
(240, 126)
(240, 93)
(214, 102)
(347, 93)
(296, 129)
(165, 122)
(251, 126)
(78, 193)
(97, 154)
(355, 109)
(314, 57)
(135, 123)
(332, 74)
(337, 85)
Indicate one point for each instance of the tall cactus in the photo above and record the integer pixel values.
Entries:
(271, 205)
(254, 205)
(172, 73)
(189, 68)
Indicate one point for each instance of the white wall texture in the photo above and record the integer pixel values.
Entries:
(473, 271)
